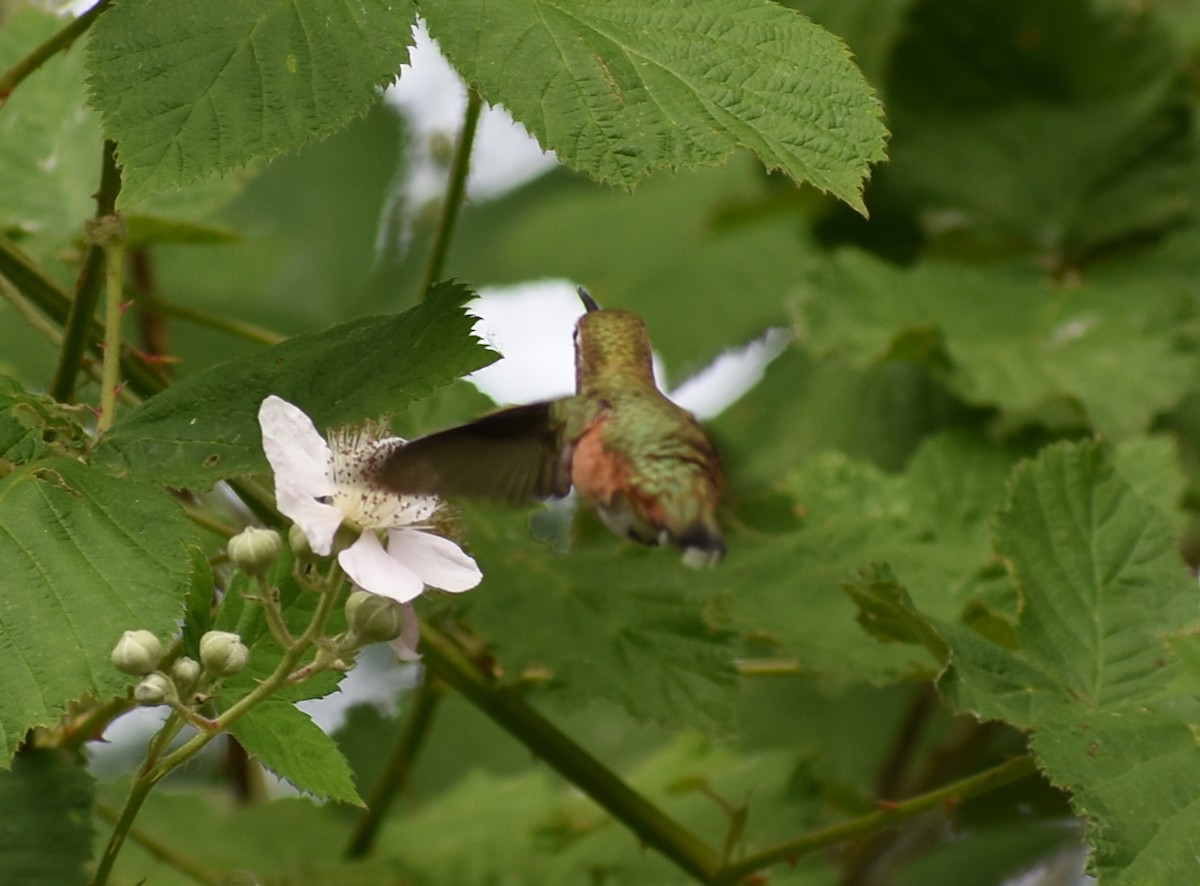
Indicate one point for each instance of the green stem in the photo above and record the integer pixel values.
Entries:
(248, 331)
(53, 301)
(55, 43)
(455, 189)
(163, 851)
(113, 243)
(205, 520)
(87, 286)
(651, 825)
(152, 772)
(791, 850)
(395, 777)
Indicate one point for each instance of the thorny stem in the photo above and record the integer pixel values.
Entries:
(455, 189)
(48, 297)
(791, 850)
(110, 232)
(52, 45)
(647, 821)
(153, 770)
(87, 286)
(161, 850)
(395, 776)
(248, 331)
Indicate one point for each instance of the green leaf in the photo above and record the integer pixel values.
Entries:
(1066, 126)
(47, 837)
(1006, 337)
(886, 611)
(1099, 575)
(188, 90)
(33, 426)
(287, 741)
(85, 557)
(49, 141)
(618, 89)
(205, 428)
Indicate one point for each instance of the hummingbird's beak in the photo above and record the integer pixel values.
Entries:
(588, 301)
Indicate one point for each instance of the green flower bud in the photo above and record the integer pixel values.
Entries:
(137, 653)
(223, 653)
(185, 672)
(298, 542)
(153, 690)
(373, 619)
(254, 550)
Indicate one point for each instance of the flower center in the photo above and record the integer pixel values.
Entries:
(355, 453)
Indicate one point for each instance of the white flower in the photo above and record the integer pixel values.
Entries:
(319, 485)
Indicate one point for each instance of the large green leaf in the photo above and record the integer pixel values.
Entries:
(33, 426)
(47, 837)
(205, 428)
(84, 557)
(187, 90)
(1109, 700)
(618, 89)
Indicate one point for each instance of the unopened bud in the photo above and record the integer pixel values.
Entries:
(137, 653)
(185, 672)
(373, 619)
(298, 542)
(254, 550)
(223, 653)
(154, 689)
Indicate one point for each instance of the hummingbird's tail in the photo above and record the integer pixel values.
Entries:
(702, 546)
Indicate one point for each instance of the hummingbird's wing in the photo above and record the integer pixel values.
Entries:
(515, 454)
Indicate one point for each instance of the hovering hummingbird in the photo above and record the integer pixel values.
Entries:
(641, 462)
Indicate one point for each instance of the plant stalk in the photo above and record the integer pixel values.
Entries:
(649, 823)
(59, 41)
(455, 188)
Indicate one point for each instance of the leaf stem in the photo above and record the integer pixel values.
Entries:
(790, 850)
(651, 825)
(248, 331)
(87, 286)
(57, 42)
(455, 189)
(399, 766)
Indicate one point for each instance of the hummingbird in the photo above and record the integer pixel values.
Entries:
(643, 464)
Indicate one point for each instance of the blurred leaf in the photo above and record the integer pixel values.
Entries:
(804, 406)
(619, 89)
(86, 557)
(679, 251)
(205, 428)
(1006, 338)
(313, 247)
(627, 627)
(49, 142)
(50, 840)
(290, 744)
(1065, 125)
(187, 91)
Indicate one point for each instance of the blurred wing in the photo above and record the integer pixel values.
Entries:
(515, 454)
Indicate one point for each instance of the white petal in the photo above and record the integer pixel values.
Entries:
(301, 460)
(440, 562)
(370, 567)
(298, 454)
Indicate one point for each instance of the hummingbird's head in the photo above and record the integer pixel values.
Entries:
(610, 343)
